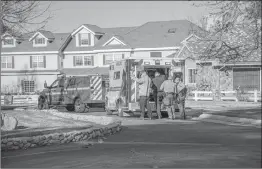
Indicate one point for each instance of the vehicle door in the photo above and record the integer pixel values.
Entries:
(54, 95)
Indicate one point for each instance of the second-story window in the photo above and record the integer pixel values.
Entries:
(155, 54)
(38, 61)
(9, 42)
(83, 60)
(109, 58)
(7, 62)
(84, 39)
(39, 41)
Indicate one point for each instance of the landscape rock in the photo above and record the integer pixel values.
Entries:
(56, 138)
(9, 143)
(15, 147)
(8, 123)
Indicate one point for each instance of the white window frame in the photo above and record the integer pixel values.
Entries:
(40, 44)
(188, 75)
(8, 45)
(83, 61)
(30, 88)
(38, 61)
(113, 56)
(84, 39)
(6, 59)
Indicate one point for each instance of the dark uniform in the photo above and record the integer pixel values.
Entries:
(157, 81)
(168, 87)
(180, 92)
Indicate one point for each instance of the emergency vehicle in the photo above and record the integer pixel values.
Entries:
(123, 91)
(75, 93)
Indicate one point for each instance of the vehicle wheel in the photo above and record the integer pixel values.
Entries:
(87, 109)
(79, 106)
(70, 108)
(41, 103)
(109, 112)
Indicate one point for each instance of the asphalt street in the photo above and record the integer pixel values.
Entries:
(152, 144)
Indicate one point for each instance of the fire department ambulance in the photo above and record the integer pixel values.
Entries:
(123, 91)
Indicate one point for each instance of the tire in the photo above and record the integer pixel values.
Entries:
(87, 109)
(79, 106)
(70, 108)
(109, 112)
(41, 103)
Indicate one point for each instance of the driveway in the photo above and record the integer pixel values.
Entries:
(152, 144)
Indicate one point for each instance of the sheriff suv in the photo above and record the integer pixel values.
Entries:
(74, 93)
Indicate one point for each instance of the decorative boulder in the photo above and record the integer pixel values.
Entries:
(8, 123)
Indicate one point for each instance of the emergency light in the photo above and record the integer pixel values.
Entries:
(168, 63)
(146, 63)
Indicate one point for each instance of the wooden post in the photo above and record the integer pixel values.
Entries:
(195, 95)
(255, 96)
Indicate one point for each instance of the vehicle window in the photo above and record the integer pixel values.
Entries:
(54, 84)
(71, 82)
(116, 75)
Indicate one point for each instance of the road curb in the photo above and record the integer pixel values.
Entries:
(228, 120)
(8, 144)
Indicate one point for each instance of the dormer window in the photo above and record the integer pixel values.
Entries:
(39, 41)
(8, 42)
(84, 39)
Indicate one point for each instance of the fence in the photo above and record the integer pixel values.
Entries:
(202, 95)
(24, 100)
(254, 96)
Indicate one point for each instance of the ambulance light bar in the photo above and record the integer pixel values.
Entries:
(146, 63)
(168, 63)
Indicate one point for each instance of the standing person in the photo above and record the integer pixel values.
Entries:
(180, 91)
(168, 86)
(144, 91)
(157, 81)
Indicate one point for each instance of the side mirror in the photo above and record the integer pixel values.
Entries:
(45, 85)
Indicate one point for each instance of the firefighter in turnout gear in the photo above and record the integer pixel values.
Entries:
(144, 92)
(168, 86)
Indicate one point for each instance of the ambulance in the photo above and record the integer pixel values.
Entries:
(123, 93)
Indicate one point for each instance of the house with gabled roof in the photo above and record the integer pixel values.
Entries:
(242, 73)
(28, 61)
(91, 48)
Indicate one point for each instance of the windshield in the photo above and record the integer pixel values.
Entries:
(54, 84)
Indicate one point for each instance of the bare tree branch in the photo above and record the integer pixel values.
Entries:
(19, 15)
(236, 33)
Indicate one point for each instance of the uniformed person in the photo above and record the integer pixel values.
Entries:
(157, 81)
(180, 92)
(144, 92)
(168, 86)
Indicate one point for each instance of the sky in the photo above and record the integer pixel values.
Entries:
(69, 15)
